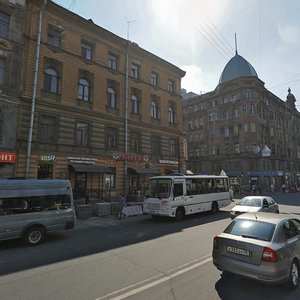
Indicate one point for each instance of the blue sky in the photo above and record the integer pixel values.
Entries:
(198, 36)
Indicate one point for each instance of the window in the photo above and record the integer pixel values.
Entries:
(54, 36)
(112, 62)
(154, 79)
(134, 104)
(4, 24)
(135, 71)
(248, 94)
(171, 115)
(110, 179)
(136, 142)
(83, 90)
(252, 127)
(51, 81)
(171, 86)
(111, 98)
(48, 129)
(111, 138)
(86, 50)
(173, 143)
(155, 145)
(154, 110)
(82, 134)
(226, 132)
(2, 71)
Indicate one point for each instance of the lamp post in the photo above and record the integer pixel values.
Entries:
(126, 107)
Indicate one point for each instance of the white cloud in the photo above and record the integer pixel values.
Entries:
(193, 80)
(289, 34)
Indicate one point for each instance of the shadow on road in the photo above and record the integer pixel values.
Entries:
(95, 236)
(233, 287)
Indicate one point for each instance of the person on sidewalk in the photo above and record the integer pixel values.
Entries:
(122, 204)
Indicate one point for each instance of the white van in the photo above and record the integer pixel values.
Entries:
(29, 209)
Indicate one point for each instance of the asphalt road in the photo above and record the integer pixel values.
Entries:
(135, 258)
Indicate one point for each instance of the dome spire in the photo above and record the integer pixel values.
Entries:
(236, 52)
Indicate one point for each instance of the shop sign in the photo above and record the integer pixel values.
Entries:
(168, 163)
(130, 157)
(48, 158)
(82, 160)
(6, 157)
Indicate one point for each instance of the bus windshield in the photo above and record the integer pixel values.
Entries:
(160, 187)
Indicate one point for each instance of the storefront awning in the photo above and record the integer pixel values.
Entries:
(90, 169)
(143, 171)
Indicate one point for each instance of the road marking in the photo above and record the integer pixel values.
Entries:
(156, 280)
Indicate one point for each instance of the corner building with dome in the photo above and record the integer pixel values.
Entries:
(245, 130)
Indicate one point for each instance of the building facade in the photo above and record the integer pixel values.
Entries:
(11, 56)
(245, 130)
(95, 108)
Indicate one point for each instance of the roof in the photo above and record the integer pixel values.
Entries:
(237, 67)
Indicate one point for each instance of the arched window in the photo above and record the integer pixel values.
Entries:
(51, 81)
(83, 90)
(154, 110)
(111, 98)
(134, 104)
(171, 115)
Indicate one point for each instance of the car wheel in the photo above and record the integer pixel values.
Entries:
(179, 215)
(214, 207)
(293, 279)
(34, 235)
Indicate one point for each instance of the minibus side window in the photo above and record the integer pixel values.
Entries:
(178, 190)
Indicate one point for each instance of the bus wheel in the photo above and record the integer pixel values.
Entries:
(179, 215)
(214, 207)
(34, 235)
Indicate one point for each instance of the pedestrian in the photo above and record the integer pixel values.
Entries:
(122, 204)
(272, 188)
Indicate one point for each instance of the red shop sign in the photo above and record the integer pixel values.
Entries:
(7, 157)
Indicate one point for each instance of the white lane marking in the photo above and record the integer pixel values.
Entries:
(152, 283)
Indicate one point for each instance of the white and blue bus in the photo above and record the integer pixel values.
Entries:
(29, 209)
(177, 196)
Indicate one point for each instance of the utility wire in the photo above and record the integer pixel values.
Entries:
(72, 5)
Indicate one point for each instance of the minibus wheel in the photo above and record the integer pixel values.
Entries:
(179, 215)
(34, 235)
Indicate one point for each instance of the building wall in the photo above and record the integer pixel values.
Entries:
(68, 109)
(11, 47)
(228, 128)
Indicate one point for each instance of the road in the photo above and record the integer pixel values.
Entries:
(135, 258)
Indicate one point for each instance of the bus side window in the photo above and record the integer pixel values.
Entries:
(178, 190)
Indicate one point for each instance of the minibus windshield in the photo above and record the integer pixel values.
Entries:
(160, 188)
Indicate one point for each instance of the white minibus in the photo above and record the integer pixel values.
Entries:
(177, 196)
(29, 209)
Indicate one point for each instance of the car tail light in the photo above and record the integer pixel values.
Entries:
(216, 246)
(269, 255)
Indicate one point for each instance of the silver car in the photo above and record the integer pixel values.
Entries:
(254, 204)
(262, 246)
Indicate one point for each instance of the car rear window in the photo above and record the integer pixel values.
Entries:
(251, 229)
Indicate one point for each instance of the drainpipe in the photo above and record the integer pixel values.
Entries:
(36, 69)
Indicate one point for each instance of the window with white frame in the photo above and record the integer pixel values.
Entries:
(84, 90)
(171, 115)
(154, 110)
(171, 86)
(226, 132)
(135, 71)
(134, 104)
(248, 93)
(54, 36)
(111, 98)
(51, 81)
(82, 134)
(154, 79)
(112, 62)
(86, 50)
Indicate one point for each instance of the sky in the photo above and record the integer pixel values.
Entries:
(198, 36)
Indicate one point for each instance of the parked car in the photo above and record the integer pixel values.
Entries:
(261, 246)
(254, 204)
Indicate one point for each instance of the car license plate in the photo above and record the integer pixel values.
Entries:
(238, 251)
